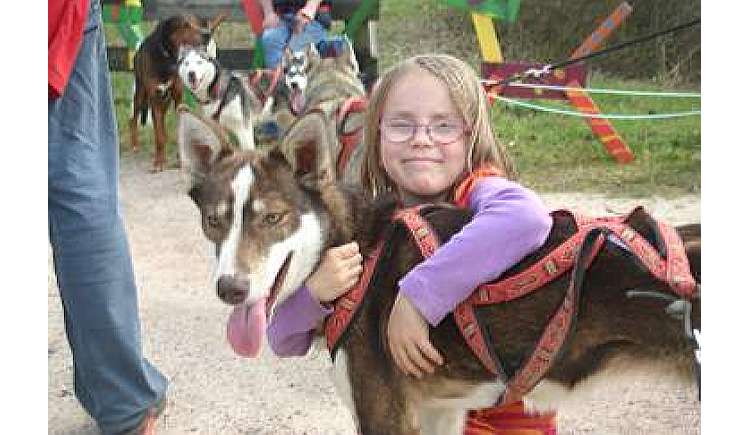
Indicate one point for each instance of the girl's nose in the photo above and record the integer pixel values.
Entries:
(421, 137)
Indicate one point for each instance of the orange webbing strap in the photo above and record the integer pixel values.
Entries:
(419, 229)
(673, 270)
(509, 420)
(462, 191)
(557, 329)
(427, 241)
(346, 306)
(349, 139)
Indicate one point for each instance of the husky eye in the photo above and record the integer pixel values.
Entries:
(272, 218)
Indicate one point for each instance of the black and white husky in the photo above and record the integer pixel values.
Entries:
(225, 96)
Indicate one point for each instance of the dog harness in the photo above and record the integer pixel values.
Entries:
(273, 76)
(577, 253)
(349, 139)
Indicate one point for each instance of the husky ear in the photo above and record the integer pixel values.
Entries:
(307, 146)
(313, 57)
(287, 57)
(346, 57)
(200, 141)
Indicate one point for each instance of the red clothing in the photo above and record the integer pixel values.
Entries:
(462, 191)
(67, 19)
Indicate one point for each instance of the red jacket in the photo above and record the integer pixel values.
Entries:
(65, 33)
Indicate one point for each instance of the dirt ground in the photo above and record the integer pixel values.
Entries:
(215, 392)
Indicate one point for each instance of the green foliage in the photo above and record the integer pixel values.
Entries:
(552, 152)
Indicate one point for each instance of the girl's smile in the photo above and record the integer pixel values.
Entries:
(422, 169)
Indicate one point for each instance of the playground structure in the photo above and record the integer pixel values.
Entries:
(494, 69)
(359, 16)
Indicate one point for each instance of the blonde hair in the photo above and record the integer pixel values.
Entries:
(467, 95)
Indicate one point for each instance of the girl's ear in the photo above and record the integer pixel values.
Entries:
(201, 142)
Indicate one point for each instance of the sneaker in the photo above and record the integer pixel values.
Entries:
(147, 425)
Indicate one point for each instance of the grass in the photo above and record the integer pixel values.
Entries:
(560, 153)
(552, 152)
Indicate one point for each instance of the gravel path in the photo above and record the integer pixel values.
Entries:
(214, 392)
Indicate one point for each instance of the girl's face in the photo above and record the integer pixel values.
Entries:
(426, 164)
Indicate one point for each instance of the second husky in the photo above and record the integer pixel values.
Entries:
(225, 96)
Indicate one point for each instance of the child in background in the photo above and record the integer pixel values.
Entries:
(429, 139)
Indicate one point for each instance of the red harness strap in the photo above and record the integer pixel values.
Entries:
(349, 139)
(346, 306)
(674, 271)
(274, 76)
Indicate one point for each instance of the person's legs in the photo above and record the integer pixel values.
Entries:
(113, 380)
(274, 40)
(311, 34)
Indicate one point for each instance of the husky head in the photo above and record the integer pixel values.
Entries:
(264, 215)
(197, 70)
(336, 54)
(310, 72)
(295, 65)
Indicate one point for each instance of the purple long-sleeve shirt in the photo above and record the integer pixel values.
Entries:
(509, 223)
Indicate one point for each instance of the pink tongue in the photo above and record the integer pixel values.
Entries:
(298, 102)
(245, 328)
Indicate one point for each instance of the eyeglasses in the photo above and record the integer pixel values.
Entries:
(402, 130)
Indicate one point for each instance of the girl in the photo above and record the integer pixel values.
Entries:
(429, 139)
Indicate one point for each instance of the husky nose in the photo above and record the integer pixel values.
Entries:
(191, 76)
(232, 290)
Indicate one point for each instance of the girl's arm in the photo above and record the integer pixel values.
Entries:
(290, 332)
(509, 223)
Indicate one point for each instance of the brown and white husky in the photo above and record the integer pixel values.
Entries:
(271, 216)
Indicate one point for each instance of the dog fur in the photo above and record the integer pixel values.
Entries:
(322, 85)
(272, 216)
(156, 81)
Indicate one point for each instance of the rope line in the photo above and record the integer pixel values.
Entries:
(548, 68)
(541, 108)
(597, 90)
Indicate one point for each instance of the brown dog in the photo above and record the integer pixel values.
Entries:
(156, 79)
(271, 216)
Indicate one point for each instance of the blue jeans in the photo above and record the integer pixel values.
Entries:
(274, 39)
(113, 381)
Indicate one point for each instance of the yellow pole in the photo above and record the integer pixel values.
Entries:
(489, 44)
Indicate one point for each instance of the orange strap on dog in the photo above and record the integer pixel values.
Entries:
(346, 306)
(349, 139)
(462, 191)
(673, 270)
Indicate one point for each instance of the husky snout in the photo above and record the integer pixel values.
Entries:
(231, 289)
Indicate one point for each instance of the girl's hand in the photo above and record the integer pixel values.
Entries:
(337, 272)
(409, 340)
